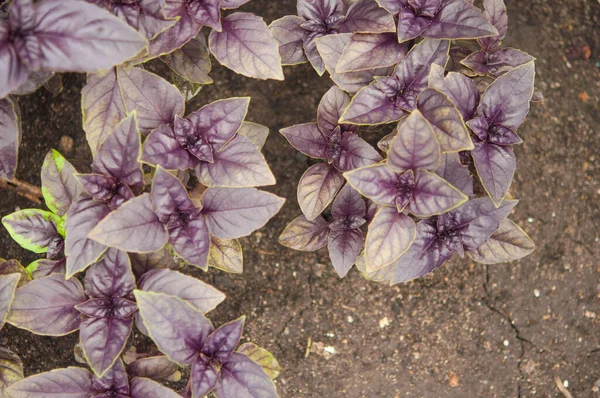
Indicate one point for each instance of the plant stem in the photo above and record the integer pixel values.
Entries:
(22, 188)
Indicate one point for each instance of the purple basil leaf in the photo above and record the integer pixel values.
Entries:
(206, 12)
(12, 371)
(14, 267)
(10, 135)
(459, 19)
(8, 287)
(410, 25)
(133, 227)
(111, 277)
(433, 195)
(158, 368)
(354, 153)
(451, 170)
(330, 110)
(191, 242)
(317, 189)
(79, 37)
(508, 243)
(145, 388)
(114, 381)
(495, 12)
(461, 90)
(202, 296)
(288, 34)
(46, 306)
(390, 235)
(506, 101)
(33, 229)
(204, 377)
(311, 50)
(169, 196)
(146, 262)
(414, 69)
(257, 133)
(221, 343)
(192, 61)
(103, 340)
(232, 4)
(242, 377)
(308, 139)
(348, 203)
(83, 215)
(246, 46)
(169, 40)
(319, 10)
(175, 326)
(105, 189)
(415, 145)
(426, 254)
(161, 147)
(15, 71)
(103, 107)
(366, 16)
(496, 167)
(118, 154)
(392, 6)
(383, 275)
(59, 185)
(234, 213)
(378, 183)
(58, 383)
(239, 164)
(446, 121)
(344, 247)
(496, 63)
(155, 100)
(371, 51)
(118, 308)
(302, 234)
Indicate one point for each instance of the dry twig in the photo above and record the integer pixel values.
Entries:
(22, 188)
(561, 387)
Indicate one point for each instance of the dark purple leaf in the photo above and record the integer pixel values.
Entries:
(411, 25)
(33, 229)
(8, 287)
(105, 189)
(312, 52)
(348, 203)
(413, 71)
(192, 61)
(204, 377)
(111, 277)
(158, 368)
(133, 227)
(83, 215)
(371, 51)
(288, 33)
(202, 296)
(15, 71)
(496, 63)
(246, 46)
(305, 235)
(496, 167)
(114, 381)
(495, 12)
(433, 195)
(242, 377)
(317, 189)
(508, 243)
(118, 308)
(206, 12)
(221, 343)
(191, 242)
(234, 213)
(146, 262)
(103, 340)
(451, 170)
(170, 197)
(459, 19)
(184, 30)
(390, 234)
(461, 90)
(161, 147)
(46, 306)
(155, 100)
(344, 247)
(175, 326)
(355, 153)
(10, 134)
(58, 383)
(308, 139)
(145, 388)
(366, 16)
(378, 183)
(59, 185)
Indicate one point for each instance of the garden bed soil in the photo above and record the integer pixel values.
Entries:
(467, 330)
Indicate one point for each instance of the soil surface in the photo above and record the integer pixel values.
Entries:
(467, 330)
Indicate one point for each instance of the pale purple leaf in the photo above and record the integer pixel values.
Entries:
(111, 277)
(330, 110)
(496, 167)
(459, 19)
(191, 241)
(411, 26)
(371, 51)
(433, 195)
(311, 50)
(414, 70)
(10, 136)
(366, 16)
(317, 189)
(378, 183)
(103, 340)
(495, 11)
(390, 235)
(308, 139)
(203, 377)
(162, 148)
(415, 145)
(354, 153)
(508, 243)
(349, 203)
(496, 63)
(221, 343)
(375, 104)
(169, 196)
(242, 377)
(15, 72)
(158, 368)
(141, 387)
(206, 12)
(114, 381)
(59, 383)
(344, 247)
(451, 170)
(461, 90)
(8, 287)
(288, 33)
(392, 6)
(169, 40)
(192, 61)
(232, 4)
(305, 235)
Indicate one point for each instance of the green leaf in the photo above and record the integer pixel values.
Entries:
(262, 357)
(11, 370)
(14, 267)
(33, 229)
(59, 185)
(226, 255)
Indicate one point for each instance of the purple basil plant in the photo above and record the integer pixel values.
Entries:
(422, 204)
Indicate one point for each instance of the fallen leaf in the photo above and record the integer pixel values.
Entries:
(453, 379)
(584, 97)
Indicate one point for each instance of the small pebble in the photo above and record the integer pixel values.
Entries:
(530, 220)
(536, 292)
(330, 350)
(350, 319)
(329, 334)
(384, 322)
(506, 343)
(566, 383)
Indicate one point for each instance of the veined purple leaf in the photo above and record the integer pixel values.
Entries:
(59, 185)
(170, 197)
(83, 215)
(133, 227)
(495, 12)
(146, 262)
(354, 153)
(378, 183)
(374, 104)
(330, 110)
(103, 340)
(348, 203)
(232, 4)
(10, 135)
(496, 63)
(234, 213)
(33, 229)
(246, 46)
(451, 170)
(77, 36)
(111, 277)
(103, 107)
(12, 370)
(8, 287)
(344, 247)
(169, 40)
(14, 267)
(288, 34)
(191, 241)
(158, 368)
(366, 16)
(239, 164)
(175, 326)
(206, 12)
(508, 243)
(118, 154)
(415, 145)
(414, 70)
(115, 380)
(319, 10)
(202, 296)
(226, 255)
(410, 24)
(459, 19)
(506, 101)
(311, 50)
(371, 51)
(496, 167)
(383, 275)
(317, 189)
(59, 383)
(192, 61)
(203, 377)
(446, 121)
(305, 235)
(15, 71)
(257, 133)
(461, 90)
(308, 139)
(433, 195)
(105, 189)
(242, 377)
(155, 100)
(162, 148)
(390, 234)
(221, 343)
(141, 387)
(392, 6)
(46, 306)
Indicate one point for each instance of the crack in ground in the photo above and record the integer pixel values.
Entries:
(487, 300)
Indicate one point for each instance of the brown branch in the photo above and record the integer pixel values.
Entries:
(25, 189)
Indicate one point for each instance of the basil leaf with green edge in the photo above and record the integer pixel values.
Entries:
(33, 229)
